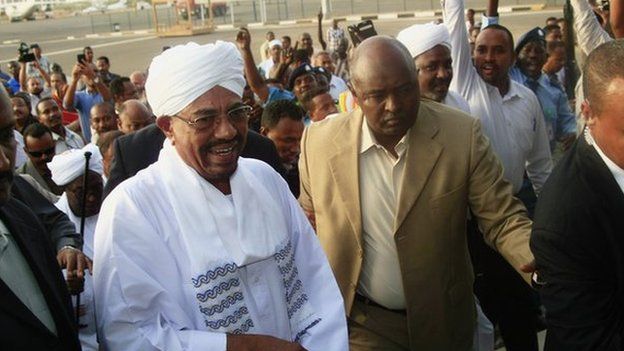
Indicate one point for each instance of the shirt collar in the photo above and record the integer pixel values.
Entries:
(368, 141)
(513, 91)
(618, 173)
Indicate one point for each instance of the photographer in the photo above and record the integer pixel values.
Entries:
(33, 68)
(33, 85)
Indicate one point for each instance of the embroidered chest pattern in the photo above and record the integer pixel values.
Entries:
(221, 300)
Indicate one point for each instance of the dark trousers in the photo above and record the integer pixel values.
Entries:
(506, 299)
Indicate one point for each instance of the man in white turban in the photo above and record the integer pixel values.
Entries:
(275, 52)
(205, 250)
(68, 171)
(430, 46)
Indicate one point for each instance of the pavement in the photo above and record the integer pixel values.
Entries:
(62, 39)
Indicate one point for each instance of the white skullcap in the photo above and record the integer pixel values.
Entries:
(70, 164)
(274, 42)
(183, 73)
(422, 37)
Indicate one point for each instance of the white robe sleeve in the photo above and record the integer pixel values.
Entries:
(140, 303)
(320, 284)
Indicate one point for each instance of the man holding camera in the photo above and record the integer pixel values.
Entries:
(34, 68)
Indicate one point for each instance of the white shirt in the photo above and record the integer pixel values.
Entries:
(618, 173)
(336, 86)
(71, 141)
(266, 66)
(20, 154)
(146, 299)
(87, 333)
(455, 100)
(514, 123)
(380, 180)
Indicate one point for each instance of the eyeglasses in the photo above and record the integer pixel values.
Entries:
(38, 154)
(235, 115)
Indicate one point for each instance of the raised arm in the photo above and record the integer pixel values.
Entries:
(68, 100)
(88, 71)
(464, 73)
(255, 81)
(589, 33)
(22, 76)
(320, 29)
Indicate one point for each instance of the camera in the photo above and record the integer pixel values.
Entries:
(24, 53)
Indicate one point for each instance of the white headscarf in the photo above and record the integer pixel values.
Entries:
(183, 73)
(422, 37)
(275, 42)
(70, 164)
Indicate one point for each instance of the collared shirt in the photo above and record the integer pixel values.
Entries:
(265, 67)
(15, 272)
(83, 101)
(559, 119)
(380, 180)
(71, 141)
(32, 71)
(514, 123)
(618, 173)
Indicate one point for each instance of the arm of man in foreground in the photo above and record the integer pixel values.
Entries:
(502, 218)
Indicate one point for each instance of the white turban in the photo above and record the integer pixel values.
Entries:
(183, 73)
(275, 42)
(70, 164)
(422, 37)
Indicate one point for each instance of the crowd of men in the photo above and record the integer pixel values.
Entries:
(440, 190)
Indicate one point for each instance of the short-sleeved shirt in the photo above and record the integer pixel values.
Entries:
(83, 101)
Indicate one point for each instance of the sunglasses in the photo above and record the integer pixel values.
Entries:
(38, 154)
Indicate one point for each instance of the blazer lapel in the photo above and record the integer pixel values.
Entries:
(422, 155)
(344, 168)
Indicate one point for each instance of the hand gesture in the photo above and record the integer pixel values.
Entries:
(320, 15)
(36, 64)
(243, 39)
(77, 71)
(286, 58)
(88, 71)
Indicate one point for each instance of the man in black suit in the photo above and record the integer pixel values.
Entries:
(35, 312)
(578, 234)
(136, 151)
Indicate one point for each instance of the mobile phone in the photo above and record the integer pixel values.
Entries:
(81, 58)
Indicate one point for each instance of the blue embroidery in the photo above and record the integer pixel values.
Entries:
(225, 304)
(296, 287)
(227, 321)
(244, 328)
(218, 290)
(296, 305)
(284, 253)
(214, 274)
(305, 330)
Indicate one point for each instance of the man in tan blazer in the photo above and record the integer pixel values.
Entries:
(389, 187)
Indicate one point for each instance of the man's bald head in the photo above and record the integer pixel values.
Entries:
(602, 66)
(377, 53)
(134, 115)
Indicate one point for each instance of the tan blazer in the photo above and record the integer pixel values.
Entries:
(450, 168)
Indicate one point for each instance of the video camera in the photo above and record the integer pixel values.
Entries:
(24, 53)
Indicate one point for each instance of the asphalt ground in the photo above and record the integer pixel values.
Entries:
(129, 52)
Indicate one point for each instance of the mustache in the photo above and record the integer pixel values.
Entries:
(238, 139)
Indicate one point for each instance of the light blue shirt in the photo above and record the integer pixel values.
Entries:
(83, 101)
(558, 116)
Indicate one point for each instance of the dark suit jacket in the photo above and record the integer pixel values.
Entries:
(20, 329)
(62, 231)
(136, 151)
(578, 243)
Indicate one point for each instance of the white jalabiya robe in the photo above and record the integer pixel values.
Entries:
(87, 332)
(150, 294)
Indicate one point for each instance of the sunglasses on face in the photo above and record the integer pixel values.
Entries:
(38, 154)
